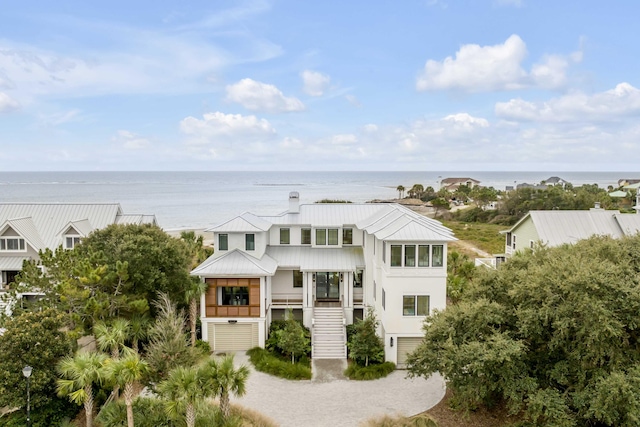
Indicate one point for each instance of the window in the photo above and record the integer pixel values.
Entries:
(415, 305)
(284, 236)
(423, 256)
(513, 239)
(297, 279)
(223, 242)
(321, 236)
(396, 255)
(250, 242)
(384, 252)
(374, 289)
(71, 242)
(12, 244)
(384, 297)
(234, 295)
(509, 239)
(437, 252)
(357, 279)
(333, 236)
(531, 244)
(347, 236)
(410, 256)
(305, 236)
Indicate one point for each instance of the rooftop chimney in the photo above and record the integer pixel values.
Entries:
(294, 202)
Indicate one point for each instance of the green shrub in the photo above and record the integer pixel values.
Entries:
(203, 346)
(266, 362)
(420, 420)
(368, 373)
(51, 414)
(273, 341)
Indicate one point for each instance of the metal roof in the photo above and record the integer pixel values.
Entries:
(629, 223)
(43, 224)
(12, 262)
(306, 258)
(618, 193)
(558, 227)
(236, 263)
(381, 219)
(137, 219)
(243, 223)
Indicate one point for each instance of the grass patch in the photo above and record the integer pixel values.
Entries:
(368, 373)
(484, 236)
(266, 362)
(420, 420)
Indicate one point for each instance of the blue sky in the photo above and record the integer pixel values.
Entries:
(509, 85)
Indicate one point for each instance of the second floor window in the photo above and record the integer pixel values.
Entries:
(284, 236)
(223, 242)
(71, 242)
(347, 236)
(305, 236)
(250, 242)
(12, 244)
(297, 279)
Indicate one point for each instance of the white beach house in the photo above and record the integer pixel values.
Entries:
(328, 263)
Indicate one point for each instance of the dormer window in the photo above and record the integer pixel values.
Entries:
(12, 244)
(71, 242)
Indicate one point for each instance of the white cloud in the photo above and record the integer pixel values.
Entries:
(7, 103)
(230, 137)
(612, 105)
(130, 140)
(370, 128)
(315, 83)
(494, 68)
(344, 139)
(466, 121)
(291, 143)
(258, 96)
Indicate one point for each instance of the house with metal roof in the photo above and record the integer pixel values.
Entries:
(452, 184)
(28, 228)
(327, 263)
(559, 227)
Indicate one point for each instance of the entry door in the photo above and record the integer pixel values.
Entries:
(328, 285)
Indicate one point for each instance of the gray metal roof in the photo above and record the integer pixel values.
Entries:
(306, 258)
(43, 224)
(137, 219)
(629, 223)
(236, 263)
(12, 262)
(557, 227)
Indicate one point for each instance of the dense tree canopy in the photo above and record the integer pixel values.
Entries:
(113, 272)
(554, 333)
(31, 339)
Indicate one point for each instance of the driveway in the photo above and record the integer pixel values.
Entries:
(338, 402)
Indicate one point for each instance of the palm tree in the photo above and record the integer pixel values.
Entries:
(400, 189)
(126, 372)
(222, 378)
(138, 330)
(112, 338)
(183, 390)
(417, 190)
(192, 294)
(79, 373)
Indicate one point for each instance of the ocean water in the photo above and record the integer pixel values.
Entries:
(203, 199)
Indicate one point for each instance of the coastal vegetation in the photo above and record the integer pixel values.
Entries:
(550, 337)
(287, 350)
(366, 350)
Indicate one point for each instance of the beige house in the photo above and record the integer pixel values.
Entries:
(28, 228)
(327, 263)
(557, 227)
(452, 184)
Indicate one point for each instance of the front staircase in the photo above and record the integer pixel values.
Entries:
(329, 333)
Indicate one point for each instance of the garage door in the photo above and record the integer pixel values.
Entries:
(233, 336)
(405, 346)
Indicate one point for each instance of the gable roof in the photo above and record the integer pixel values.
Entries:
(43, 224)
(317, 259)
(236, 262)
(457, 180)
(242, 223)
(557, 227)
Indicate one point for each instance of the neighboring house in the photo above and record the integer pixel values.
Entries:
(327, 263)
(535, 186)
(452, 184)
(554, 180)
(557, 227)
(27, 228)
(626, 181)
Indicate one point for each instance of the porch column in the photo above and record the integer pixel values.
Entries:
(307, 299)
